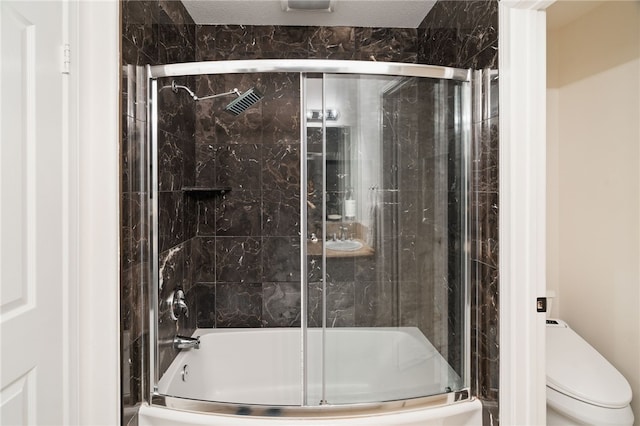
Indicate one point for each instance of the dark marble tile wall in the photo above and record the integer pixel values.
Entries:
(453, 139)
(464, 34)
(249, 241)
(397, 227)
(228, 150)
(484, 265)
(177, 219)
(227, 42)
(247, 256)
(156, 32)
(422, 210)
(460, 34)
(153, 32)
(134, 243)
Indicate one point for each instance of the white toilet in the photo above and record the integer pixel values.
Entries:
(583, 388)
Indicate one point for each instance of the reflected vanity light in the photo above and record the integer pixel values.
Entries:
(316, 115)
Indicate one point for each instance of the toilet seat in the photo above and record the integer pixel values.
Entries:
(575, 369)
(584, 413)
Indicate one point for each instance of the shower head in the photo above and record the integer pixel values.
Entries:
(244, 101)
(235, 107)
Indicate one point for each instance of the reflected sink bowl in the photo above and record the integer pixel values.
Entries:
(346, 245)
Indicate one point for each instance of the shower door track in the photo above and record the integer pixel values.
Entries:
(306, 66)
(311, 411)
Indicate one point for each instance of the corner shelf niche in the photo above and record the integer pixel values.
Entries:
(205, 191)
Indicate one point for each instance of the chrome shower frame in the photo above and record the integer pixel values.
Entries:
(301, 66)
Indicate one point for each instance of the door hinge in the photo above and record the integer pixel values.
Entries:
(65, 52)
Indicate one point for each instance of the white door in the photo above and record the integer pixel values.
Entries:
(32, 252)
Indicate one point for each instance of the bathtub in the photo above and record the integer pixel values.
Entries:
(258, 373)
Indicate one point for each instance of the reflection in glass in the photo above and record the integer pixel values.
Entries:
(387, 287)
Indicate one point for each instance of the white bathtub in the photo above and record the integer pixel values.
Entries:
(263, 367)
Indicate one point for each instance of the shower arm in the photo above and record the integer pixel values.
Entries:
(230, 92)
(175, 88)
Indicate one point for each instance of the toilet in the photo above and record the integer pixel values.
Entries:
(582, 386)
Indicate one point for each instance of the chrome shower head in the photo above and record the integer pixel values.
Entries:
(235, 107)
(244, 101)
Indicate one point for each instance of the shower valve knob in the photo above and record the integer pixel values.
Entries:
(178, 305)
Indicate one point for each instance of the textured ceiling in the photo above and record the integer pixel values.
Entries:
(352, 13)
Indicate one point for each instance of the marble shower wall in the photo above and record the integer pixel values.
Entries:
(134, 266)
(176, 209)
(460, 34)
(413, 200)
(484, 257)
(464, 34)
(456, 33)
(257, 155)
(153, 32)
(233, 153)
(246, 252)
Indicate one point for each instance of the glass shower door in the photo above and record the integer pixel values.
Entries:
(386, 237)
(226, 203)
(316, 243)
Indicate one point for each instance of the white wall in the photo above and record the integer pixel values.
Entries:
(593, 190)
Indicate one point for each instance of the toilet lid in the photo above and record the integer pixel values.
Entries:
(576, 369)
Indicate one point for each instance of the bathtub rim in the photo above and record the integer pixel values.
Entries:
(166, 387)
(309, 411)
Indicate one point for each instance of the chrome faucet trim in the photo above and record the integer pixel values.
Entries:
(343, 233)
(178, 305)
(183, 342)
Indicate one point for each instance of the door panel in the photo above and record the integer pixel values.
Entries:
(31, 172)
(386, 222)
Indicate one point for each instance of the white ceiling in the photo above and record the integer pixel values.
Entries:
(352, 13)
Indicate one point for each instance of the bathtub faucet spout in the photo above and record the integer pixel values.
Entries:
(182, 342)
